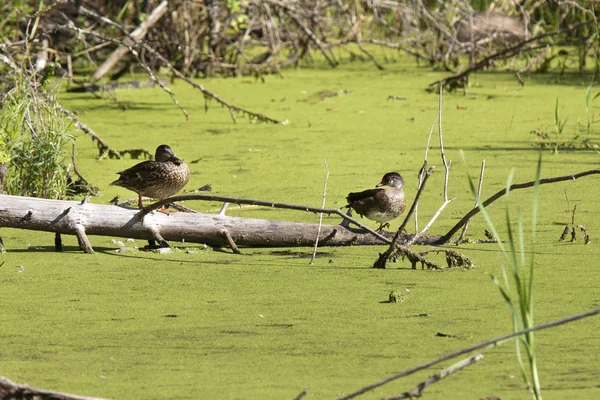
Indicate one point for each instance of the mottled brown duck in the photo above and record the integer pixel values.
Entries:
(158, 179)
(380, 205)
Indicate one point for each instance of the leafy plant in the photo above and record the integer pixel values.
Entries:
(521, 270)
(33, 134)
(588, 107)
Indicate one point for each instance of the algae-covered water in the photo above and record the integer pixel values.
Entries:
(204, 323)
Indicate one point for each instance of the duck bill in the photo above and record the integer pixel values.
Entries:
(176, 160)
(380, 184)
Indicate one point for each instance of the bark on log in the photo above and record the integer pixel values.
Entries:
(82, 219)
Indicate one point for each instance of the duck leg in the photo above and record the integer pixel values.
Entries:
(140, 205)
(382, 226)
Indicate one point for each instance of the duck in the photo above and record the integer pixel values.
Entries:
(382, 204)
(158, 179)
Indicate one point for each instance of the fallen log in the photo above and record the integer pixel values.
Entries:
(83, 218)
(13, 391)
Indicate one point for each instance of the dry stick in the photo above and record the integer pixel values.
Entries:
(447, 173)
(502, 192)
(358, 36)
(271, 204)
(464, 231)
(208, 94)
(104, 148)
(490, 343)
(573, 231)
(138, 34)
(292, 13)
(418, 390)
(84, 242)
(384, 257)
(446, 164)
(83, 180)
(231, 242)
(423, 168)
(166, 63)
(312, 260)
(133, 37)
(301, 395)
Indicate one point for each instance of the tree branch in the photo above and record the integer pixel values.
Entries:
(502, 192)
(488, 343)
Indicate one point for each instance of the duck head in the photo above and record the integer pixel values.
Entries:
(392, 179)
(164, 153)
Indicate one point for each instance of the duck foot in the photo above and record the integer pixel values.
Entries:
(163, 210)
(382, 226)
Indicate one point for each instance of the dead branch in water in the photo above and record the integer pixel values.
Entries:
(446, 172)
(475, 210)
(486, 344)
(418, 390)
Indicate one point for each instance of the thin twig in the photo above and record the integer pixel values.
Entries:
(103, 147)
(271, 204)
(136, 54)
(446, 175)
(488, 343)
(418, 390)
(446, 164)
(231, 242)
(312, 260)
(301, 395)
(207, 94)
(423, 168)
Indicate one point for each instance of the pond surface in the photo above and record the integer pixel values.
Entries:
(204, 323)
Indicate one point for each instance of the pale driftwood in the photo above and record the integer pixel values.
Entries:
(10, 390)
(137, 34)
(83, 219)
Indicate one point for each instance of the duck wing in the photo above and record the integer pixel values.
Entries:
(364, 196)
(141, 175)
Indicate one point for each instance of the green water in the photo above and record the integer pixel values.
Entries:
(266, 324)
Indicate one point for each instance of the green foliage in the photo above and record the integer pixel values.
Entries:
(521, 271)
(33, 134)
(559, 125)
